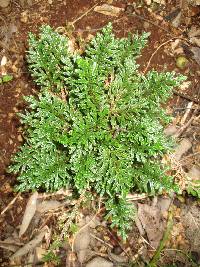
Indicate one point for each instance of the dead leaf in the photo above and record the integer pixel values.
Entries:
(194, 173)
(117, 258)
(139, 226)
(164, 204)
(99, 262)
(30, 260)
(92, 221)
(196, 54)
(194, 31)
(39, 254)
(152, 223)
(29, 213)
(4, 61)
(81, 243)
(182, 148)
(30, 245)
(4, 3)
(191, 222)
(171, 130)
(177, 21)
(195, 41)
(45, 206)
(175, 43)
(195, 2)
(108, 10)
(9, 244)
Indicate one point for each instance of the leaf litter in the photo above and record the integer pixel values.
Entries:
(31, 244)
(108, 10)
(82, 241)
(29, 213)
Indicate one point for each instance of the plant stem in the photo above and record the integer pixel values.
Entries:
(163, 241)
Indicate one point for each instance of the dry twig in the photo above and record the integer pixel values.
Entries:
(187, 157)
(134, 197)
(190, 98)
(102, 241)
(84, 14)
(188, 109)
(156, 52)
(10, 204)
(184, 127)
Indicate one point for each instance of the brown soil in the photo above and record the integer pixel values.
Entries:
(28, 18)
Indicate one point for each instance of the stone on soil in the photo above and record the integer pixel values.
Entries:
(99, 262)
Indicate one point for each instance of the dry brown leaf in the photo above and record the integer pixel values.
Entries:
(177, 21)
(164, 204)
(92, 221)
(30, 260)
(29, 213)
(117, 258)
(182, 148)
(108, 10)
(81, 243)
(194, 173)
(195, 2)
(195, 41)
(9, 244)
(191, 222)
(4, 61)
(194, 31)
(171, 130)
(39, 254)
(45, 206)
(175, 43)
(196, 54)
(152, 223)
(30, 245)
(4, 3)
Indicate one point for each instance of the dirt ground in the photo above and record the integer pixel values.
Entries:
(170, 38)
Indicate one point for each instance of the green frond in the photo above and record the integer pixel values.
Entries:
(106, 135)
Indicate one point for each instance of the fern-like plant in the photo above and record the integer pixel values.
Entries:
(97, 123)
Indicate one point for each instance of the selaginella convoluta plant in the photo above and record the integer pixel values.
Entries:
(97, 122)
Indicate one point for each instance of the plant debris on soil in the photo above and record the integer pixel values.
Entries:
(166, 229)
